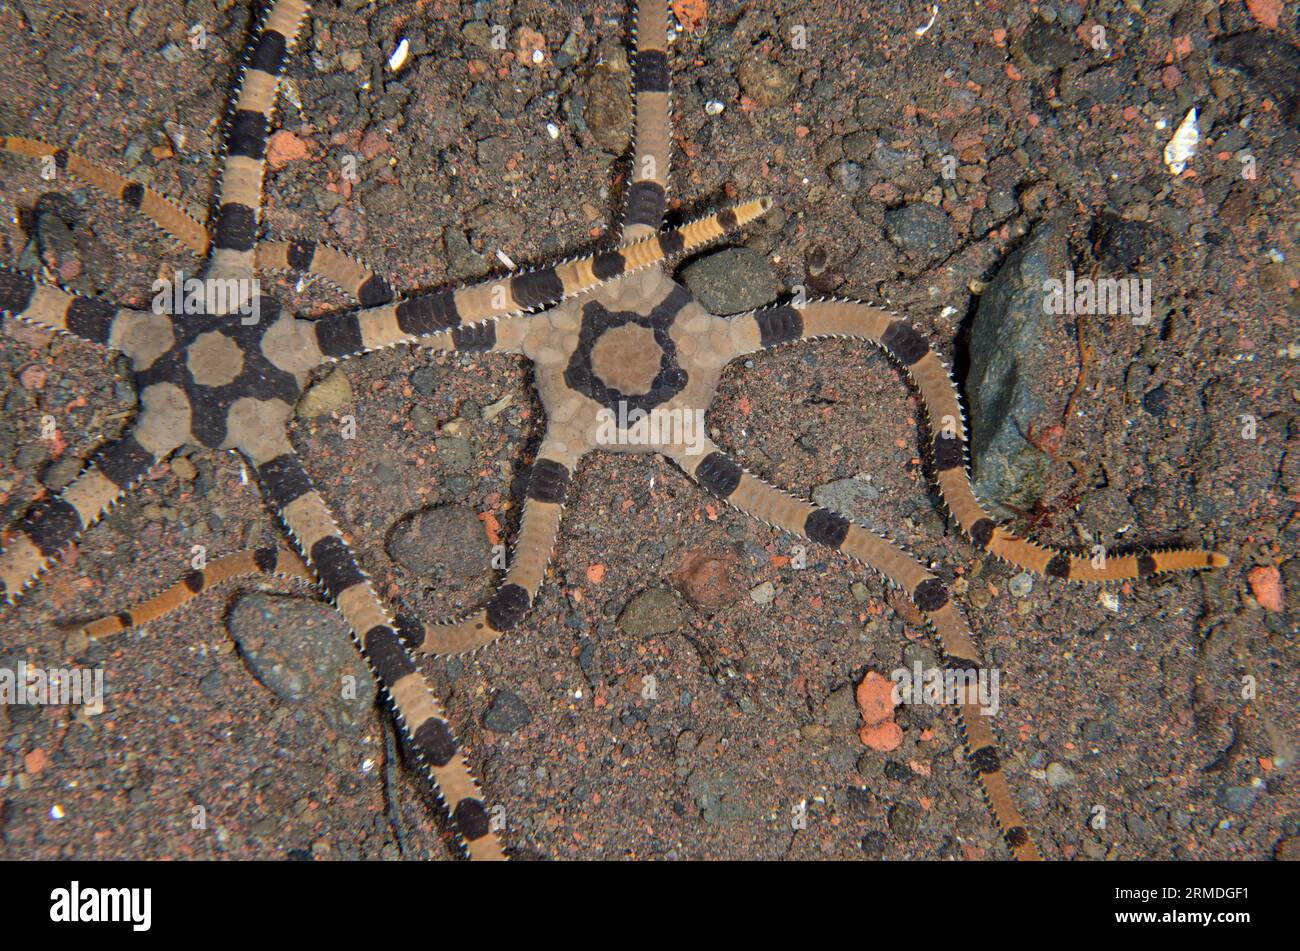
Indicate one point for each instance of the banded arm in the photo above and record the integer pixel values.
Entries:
(434, 319)
(154, 206)
(91, 319)
(349, 274)
(774, 326)
(51, 525)
(722, 476)
(269, 562)
(548, 487)
(418, 713)
(339, 268)
(240, 190)
(652, 97)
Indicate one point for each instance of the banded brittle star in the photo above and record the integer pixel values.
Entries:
(635, 345)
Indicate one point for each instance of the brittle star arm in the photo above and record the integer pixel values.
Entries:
(774, 326)
(240, 189)
(91, 319)
(151, 204)
(49, 526)
(548, 487)
(725, 478)
(290, 491)
(424, 315)
(268, 562)
(304, 256)
(652, 100)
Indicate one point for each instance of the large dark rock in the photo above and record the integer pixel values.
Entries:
(731, 281)
(302, 652)
(1015, 362)
(443, 542)
(1271, 63)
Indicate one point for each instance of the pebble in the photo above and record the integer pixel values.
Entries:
(608, 111)
(1156, 402)
(33, 377)
(732, 280)
(763, 594)
(1020, 585)
(765, 82)
(425, 380)
(1013, 366)
(850, 497)
(1266, 586)
(447, 541)
(454, 453)
(652, 611)
(508, 713)
(846, 175)
(706, 579)
(1238, 798)
(60, 473)
(920, 229)
(1058, 775)
(301, 651)
(424, 419)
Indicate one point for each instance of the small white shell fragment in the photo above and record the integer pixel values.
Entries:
(505, 259)
(539, 57)
(1109, 600)
(1182, 146)
(934, 15)
(176, 132)
(552, 130)
(399, 55)
(713, 107)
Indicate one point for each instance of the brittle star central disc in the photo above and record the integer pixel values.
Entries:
(627, 361)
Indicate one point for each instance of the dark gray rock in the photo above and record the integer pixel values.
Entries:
(920, 229)
(507, 714)
(454, 453)
(1270, 62)
(731, 281)
(58, 474)
(302, 652)
(1120, 244)
(425, 380)
(442, 542)
(653, 611)
(1238, 798)
(1015, 359)
(1046, 44)
(846, 175)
